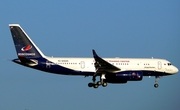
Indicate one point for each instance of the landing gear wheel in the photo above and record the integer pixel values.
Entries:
(90, 84)
(95, 86)
(99, 82)
(104, 84)
(156, 85)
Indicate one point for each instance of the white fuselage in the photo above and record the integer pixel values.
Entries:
(144, 64)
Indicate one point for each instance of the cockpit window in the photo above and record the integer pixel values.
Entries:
(169, 64)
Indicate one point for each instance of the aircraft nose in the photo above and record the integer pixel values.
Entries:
(176, 70)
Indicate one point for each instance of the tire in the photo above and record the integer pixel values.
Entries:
(96, 86)
(156, 85)
(104, 84)
(99, 83)
(90, 85)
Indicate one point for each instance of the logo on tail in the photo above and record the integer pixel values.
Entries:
(26, 48)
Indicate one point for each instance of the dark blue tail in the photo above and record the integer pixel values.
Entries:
(23, 44)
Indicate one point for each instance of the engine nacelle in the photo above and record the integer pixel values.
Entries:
(130, 75)
(124, 76)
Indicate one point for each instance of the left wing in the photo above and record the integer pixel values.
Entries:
(103, 66)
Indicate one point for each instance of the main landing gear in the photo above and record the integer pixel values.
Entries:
(98, 83)
(156, 81)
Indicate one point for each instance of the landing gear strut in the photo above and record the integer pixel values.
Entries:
(93, 84)
(103, 82)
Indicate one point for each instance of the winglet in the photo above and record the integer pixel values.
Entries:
(94, 54)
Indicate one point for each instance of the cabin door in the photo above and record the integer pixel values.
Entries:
(159, 65)
(82, 64)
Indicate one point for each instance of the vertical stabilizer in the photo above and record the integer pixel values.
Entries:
(23, 44)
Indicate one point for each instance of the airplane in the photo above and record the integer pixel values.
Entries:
(109, 70)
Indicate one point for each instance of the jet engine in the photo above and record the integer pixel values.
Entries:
(124, 76)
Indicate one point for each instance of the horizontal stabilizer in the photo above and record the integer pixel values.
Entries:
(27, 61)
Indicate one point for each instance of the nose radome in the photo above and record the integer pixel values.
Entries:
(176, 70)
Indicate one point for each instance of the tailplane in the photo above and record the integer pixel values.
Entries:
(23, 44)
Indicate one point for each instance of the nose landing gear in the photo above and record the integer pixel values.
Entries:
(156, 85)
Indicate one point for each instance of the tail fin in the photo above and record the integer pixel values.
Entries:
(23, 44)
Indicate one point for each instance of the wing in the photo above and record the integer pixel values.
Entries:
(103, 66)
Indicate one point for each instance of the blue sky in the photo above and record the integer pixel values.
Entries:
(141, 28)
